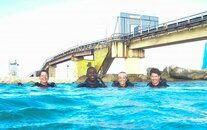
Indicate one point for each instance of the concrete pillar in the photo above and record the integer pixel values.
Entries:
(132, 65)
(118, 49)
(51, 70)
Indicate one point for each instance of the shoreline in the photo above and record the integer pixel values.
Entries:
(171, 73)
(29, 80)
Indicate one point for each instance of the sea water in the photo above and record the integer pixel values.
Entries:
(183, 105)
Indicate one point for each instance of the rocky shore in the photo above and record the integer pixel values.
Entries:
(29, 80)
(171, 73)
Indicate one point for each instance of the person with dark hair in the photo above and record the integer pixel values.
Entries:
(155, 80)
(122, 81)
(92, 80)
(44, 77)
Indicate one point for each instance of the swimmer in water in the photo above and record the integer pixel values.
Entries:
(155, 79)
(122, 81)
(92, 80)
(44, 77)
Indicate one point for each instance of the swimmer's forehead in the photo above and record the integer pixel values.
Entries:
(122, 74)
(91, 70)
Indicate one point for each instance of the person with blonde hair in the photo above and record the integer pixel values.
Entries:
(122, 81)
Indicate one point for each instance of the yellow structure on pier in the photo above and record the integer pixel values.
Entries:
(131, 46)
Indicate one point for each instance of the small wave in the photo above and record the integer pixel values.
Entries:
(180, 106)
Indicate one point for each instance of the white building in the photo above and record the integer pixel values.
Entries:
(13, 68)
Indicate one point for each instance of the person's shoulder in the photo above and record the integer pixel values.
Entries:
(163, 83)
(115, 83)
(52, 84)
(149, 84)
(100, 81)
(84, 84)
(36, 84)
(129, 84)
(100, 85)
(20, 84)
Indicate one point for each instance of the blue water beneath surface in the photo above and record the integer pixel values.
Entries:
(183, 105)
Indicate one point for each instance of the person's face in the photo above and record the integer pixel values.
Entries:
(122, 80)
(43, 78)
(155, 78)
(91, 74)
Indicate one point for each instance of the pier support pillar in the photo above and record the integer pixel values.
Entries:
(132, 65)
(97, 62)
(51, 71)
(132, 56)
(121, 50)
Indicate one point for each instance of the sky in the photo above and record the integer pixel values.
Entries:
(33, 30)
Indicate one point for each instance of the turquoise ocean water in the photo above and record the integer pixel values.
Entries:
(183, 105)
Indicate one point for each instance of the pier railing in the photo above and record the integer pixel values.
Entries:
(174, 25)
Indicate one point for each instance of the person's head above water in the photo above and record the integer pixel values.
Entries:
(92, 80)
(91, 74)
(122, 79)
(44, 77)
(155, 76)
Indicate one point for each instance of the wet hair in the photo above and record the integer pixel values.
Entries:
(44, 71)
(156, 71)
(122, 73)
